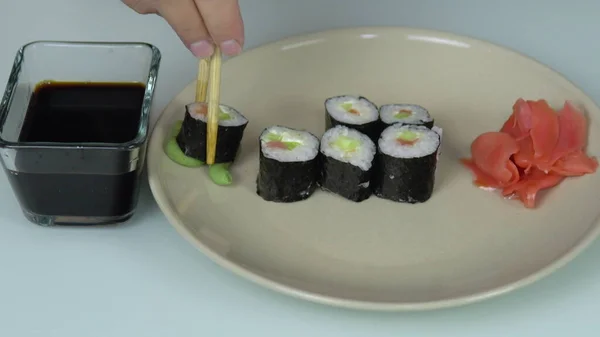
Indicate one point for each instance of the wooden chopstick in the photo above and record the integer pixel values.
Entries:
(202, 81)
(214, 86)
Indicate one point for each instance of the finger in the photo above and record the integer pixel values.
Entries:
(224, 23)
(184, 18)
(141, 6)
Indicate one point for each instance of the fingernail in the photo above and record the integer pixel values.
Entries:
(202, 49)
(231, 48)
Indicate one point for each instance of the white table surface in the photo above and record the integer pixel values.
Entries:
(142, 279)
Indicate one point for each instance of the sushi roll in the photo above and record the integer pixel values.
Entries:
(406, 163)
(346, 163)
(440, 132)
(192, 137)
(288, 165)
(355, 112)
(406, 114)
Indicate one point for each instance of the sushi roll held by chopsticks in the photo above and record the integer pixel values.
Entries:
(192, 139)
(198, 138)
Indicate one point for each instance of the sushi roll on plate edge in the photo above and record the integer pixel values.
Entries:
(406, 163)
(288, 165)
(347, 157)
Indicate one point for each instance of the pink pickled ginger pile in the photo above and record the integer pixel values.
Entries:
(536, 148)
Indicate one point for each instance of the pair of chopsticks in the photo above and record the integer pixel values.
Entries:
(209, 81)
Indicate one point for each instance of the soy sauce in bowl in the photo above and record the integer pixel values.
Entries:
(78, 113)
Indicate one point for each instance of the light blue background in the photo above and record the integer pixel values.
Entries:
(142, 279)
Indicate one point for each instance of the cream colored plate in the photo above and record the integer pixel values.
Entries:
(463, 245)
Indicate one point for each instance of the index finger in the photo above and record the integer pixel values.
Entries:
(223, 20)
(184, 18)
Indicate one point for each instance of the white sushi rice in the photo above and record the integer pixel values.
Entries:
(419, 114)
(428, 141)
(236, 118)
(362, 157)
(307, 150)
(367, 110)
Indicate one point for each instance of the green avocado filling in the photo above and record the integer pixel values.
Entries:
(282, 141)
(403, 114)
(346, 144)
(408, 136)
(346, 106)
(223, 116)
(349, 108)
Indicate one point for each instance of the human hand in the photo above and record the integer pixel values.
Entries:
(199, 23)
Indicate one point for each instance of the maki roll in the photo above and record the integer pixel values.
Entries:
(346, 163)
(355, 112)
(406, 163)
(288, 165)
(406, 114)
(440, 132)
(192, 137)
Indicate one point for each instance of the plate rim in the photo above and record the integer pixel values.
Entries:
(155, 186)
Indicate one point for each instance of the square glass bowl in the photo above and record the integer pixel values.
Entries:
(74, 123)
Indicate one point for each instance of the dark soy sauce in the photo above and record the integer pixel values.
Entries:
(82, 113)
(65, 112)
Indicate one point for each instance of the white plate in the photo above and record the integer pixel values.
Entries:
(462, 246)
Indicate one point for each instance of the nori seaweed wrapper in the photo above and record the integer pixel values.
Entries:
(192, 140)
(286, 182)
(345, 179)
(428, 124)
(409, 180)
